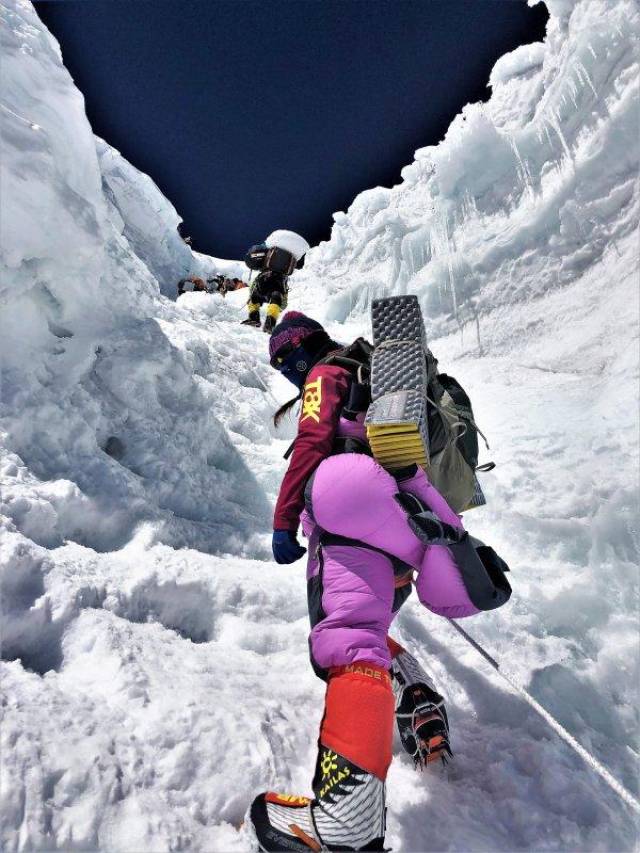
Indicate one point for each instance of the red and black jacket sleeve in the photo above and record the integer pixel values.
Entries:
(325, 393)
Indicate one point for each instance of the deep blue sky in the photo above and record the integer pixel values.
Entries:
(252, 116)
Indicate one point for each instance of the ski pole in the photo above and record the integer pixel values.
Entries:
(560, 730)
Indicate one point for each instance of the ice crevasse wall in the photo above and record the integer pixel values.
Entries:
(98, 369)
(525, 193)
(117, 408)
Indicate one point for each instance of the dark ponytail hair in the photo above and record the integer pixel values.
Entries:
(286, 407)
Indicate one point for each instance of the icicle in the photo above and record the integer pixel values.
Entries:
(581, 69)
(574, 94)
(395, 275)
(441, 232)
(555, 124)
(452, 280)
(470, 208)
(548, 135)
(435, 253)
(523, 171)
(477, 319)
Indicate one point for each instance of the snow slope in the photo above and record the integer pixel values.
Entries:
(154, 670)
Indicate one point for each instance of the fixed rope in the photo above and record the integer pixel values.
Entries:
(558, 728)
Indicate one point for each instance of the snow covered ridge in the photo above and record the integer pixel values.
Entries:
(109, 418)
(524, 193)
(149, 222)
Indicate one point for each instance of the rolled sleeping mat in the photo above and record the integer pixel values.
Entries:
(396, 421)
(398, 366)
(396, 318)
(396, 425)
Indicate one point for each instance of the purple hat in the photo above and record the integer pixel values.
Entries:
(293, 328)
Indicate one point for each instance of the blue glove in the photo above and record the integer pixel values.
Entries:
(285, 547)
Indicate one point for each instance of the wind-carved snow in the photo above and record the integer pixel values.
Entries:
(155, 672)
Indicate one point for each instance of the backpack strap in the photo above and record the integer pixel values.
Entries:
(399, 566)
(356, 358)
(425, 524)
(465, 417)
(432, 531)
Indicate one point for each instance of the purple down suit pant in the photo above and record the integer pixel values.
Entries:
(360, 543)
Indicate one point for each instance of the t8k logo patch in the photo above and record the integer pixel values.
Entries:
(312, 401)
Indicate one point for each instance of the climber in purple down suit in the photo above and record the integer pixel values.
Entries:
(369, 533)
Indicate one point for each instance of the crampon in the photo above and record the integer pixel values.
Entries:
(423, 725)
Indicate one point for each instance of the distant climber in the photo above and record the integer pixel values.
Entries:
(276, 259)
(191, 283)
(223, 284)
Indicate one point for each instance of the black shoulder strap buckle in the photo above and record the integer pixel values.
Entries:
(432, 531)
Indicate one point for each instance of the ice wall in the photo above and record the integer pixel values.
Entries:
(149, 220)
(525, 193)
(107, 422)
(150, 224)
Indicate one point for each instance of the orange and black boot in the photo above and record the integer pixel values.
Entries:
(420, 713)
(347, 811)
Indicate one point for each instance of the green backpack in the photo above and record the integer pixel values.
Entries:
(452, 430)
